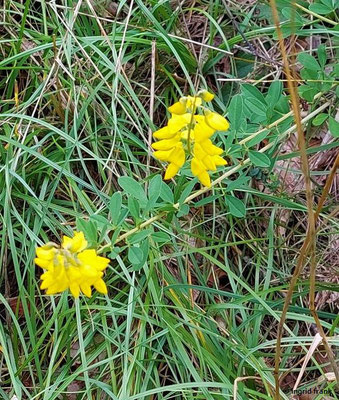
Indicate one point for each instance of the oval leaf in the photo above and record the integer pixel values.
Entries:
(259, 159)
(115, 207)
(133, 188)
(236, 206)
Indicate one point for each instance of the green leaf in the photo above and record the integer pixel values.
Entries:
(154, 191)
(133, 188)
(154, 188)
(321, 9)
(122, 216)
(133, 207)
(89, 228)
(236, 206)
(135, 255)
(100, 220)
(334, 127)
(238, 183)
(139, 236)
(166, 193)
(206, 200)
(322, 56)
(115, 207)
(308, 61)
(251, 91)
(259, 159)
(183, 210)
(256, 106)
(329, 3)
(235, 112)
(274, 93)
(307, 92)
(187, 191)
(161, 237)
(319, 119)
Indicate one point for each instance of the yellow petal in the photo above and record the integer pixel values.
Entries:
(209, 163)
(198, 151)
(219, 160)
(88, 271)
(193, 102)
(197, 166)
(171, 171)
(45, 253)
(186, 133)
(210, 148)
(202, 131)
(42, 263)
(166, 144)
(90, 257)
(207, 96)
(100, 286)
(46, 283)
(75, 290)
(75, 244)
(73, 274)
(163, 133)
(202, 156)
(205, 179)
(179, 107)
(216, 121)
(86, 289)
(177, 122)
(178, 156)
(163, 155)
(52, 290)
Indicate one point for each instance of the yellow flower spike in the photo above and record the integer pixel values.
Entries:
(216, 121)
(206, 96)
(190, 132)
(179, 107)
(71, 266)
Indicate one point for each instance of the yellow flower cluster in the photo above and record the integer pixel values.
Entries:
(189, 131)
(71, 267)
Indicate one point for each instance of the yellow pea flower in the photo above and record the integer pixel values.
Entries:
(206, 96)
(216, 121)
(199, 170)
(164, 133)
(179, 107)
(71, 266)
(188, 131)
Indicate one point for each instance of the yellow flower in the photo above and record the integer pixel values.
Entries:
(190, 131)
(71, 266)
(206, 96)
(216, 121)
